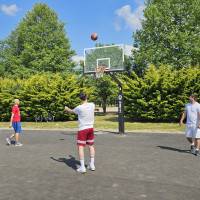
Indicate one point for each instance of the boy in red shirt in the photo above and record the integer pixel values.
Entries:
(15, 122)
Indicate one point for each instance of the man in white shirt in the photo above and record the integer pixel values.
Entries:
(85, 135)
(192, 114)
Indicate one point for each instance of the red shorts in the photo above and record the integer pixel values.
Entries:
(85, 136)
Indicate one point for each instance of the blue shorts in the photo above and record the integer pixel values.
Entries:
(17, 127)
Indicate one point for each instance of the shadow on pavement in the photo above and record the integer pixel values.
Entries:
(71, 162)
(175, 149)
(69, 133)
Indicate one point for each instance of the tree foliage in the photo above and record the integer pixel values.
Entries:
(169, 34)
(105, 91)
(38, 44)
(42, 94)
(161, 94)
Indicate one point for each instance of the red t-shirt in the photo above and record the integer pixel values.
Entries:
(16, 112)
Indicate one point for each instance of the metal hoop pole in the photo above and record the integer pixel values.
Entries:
(120, 104)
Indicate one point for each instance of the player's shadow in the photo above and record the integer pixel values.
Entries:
(175, 149)
(70, 162)
(70, 133)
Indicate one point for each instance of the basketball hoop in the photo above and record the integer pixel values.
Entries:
(99, 72)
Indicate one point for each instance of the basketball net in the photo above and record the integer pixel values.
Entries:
(100, 71)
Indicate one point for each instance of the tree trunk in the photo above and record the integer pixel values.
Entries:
(104, 106)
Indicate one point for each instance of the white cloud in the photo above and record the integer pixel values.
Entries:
(10, 10)
(128, 50)
(77, 59)
(131, 18)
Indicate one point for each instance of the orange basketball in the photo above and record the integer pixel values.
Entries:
(94, 36)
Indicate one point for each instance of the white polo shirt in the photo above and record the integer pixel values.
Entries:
(85, 114)
(192, 111)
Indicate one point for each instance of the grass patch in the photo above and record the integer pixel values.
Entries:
(107, 122)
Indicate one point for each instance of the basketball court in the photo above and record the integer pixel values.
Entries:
(135, 166)
(128, 166)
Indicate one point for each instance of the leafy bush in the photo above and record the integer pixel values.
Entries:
(161, 93)
(41, 94)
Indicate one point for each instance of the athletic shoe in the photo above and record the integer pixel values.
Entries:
(18, 144)
(192, 149)
(8, 141)
(81, 170)
(91, 167)
(196, 153)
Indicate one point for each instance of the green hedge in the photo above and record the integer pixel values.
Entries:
(41, 95)
(160, 94)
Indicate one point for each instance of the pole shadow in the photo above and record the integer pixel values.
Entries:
(70, 162)
(174, 149)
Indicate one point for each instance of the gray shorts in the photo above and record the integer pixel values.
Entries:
(190, 131)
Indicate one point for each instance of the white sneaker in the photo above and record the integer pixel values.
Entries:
(8, 141)
(18, 144)
(81, 170)
(91, 167)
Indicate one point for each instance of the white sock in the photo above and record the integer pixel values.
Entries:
(82, 163)
(92, 161)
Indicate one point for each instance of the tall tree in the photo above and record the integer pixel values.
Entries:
(39, 43)
(105, 92)
(169, 34)
(2, 69)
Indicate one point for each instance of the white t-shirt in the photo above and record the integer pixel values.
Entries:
(85, 114)
(192, 111)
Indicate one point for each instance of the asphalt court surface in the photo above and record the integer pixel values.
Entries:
(149, 166)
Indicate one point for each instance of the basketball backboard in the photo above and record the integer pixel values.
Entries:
(111, 57)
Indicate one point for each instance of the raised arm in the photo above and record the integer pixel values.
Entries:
(67, 109)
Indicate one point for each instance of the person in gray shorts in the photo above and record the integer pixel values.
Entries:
(192, 115)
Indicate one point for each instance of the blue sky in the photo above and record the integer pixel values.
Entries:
(113, 20)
